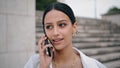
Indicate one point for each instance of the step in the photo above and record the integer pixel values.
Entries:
(97, 35)
(96, 45)
(98, 51)
(39, 30)
(39, 25)
(98, 25)
(113, 64)
(94, 28)
(96, 39)
(107, 57)
(100, 28)
(93, 21)
(94, 31)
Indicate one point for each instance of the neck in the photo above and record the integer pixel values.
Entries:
(64, 55)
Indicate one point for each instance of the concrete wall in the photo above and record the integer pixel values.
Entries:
(113, 18)
(17, 32)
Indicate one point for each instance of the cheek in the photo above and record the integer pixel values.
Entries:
(68, 36)
(49, 34)
(67, 32)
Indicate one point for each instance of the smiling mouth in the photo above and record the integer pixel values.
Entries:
(57, 41)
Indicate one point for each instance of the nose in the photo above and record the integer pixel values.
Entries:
(56, 31)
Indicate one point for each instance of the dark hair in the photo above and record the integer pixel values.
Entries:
(60, 7)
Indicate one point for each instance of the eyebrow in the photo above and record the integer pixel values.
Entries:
(57, 21)
(61, 20)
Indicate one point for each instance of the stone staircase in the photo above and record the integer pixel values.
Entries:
(97, 38)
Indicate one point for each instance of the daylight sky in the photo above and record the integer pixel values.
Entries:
(86, 8)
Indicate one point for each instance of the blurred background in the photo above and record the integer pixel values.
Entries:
(21, 28)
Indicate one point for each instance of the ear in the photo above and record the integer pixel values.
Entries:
(75, 25)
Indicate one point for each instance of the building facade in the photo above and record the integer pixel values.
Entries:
(17, 32)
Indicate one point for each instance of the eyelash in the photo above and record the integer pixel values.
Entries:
(61, 25)
(49, 27)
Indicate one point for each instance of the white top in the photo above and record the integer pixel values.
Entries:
(87, 62)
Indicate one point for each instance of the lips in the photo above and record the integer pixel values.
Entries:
(57, 41)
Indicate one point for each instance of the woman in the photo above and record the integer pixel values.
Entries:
(59, 24)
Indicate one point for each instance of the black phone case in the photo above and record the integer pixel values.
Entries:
(48, 49)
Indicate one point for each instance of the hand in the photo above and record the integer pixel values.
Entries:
(45, 60)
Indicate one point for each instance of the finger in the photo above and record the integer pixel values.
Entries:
(52, 52)
(41, 39)
(48, 45)
(41, 42)
(43, 50)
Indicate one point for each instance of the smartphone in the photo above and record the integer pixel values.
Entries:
(48, 49)
(47, 41)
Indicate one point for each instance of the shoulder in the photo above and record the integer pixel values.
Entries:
(33, 61)
(94, 63)
(99, 64)
(89, 62)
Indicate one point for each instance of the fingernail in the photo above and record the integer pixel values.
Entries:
(50, 45)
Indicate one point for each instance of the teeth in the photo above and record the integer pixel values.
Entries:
(57, 40)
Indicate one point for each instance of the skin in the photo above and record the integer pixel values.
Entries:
(59, 30)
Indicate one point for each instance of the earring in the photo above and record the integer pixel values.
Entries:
(76, 33)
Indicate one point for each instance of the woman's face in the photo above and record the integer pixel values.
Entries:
(59, 29)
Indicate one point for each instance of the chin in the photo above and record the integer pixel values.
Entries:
(59, 48)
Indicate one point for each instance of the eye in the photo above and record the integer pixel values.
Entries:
(49, 27)
(62, 24)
